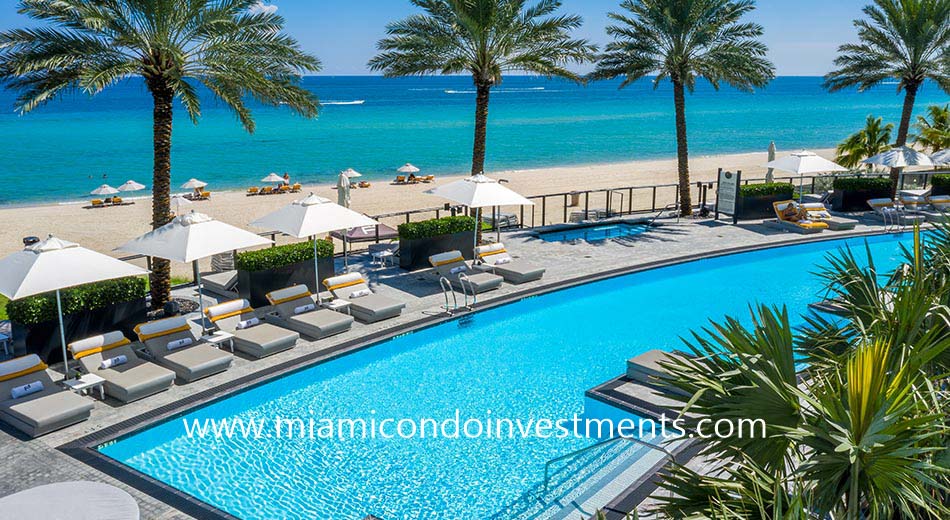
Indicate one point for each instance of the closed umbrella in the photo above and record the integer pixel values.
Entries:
(343, 191)
(805, 163)
(103, 190)
(53, 265)
(310, 217)
(770, 175)
(131, 186)
(190, 238)
(479, 191)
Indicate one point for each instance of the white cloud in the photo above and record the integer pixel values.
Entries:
(262, 8)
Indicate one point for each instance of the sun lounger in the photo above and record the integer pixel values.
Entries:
(451, 265)
(818, 212)
(887, 211)
(400, 179)
(128, 377)
(251, 336)
(222, 284)
(796, 223)
(296, 188)
(365, 305)
(933, 208)
(31, 402)
(296, 310)
(171, 344)
(253, 190)
(496, 258)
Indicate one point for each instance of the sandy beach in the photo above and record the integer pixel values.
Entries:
(106, 228)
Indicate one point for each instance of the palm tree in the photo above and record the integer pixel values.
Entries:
(484, 38)
(934, 134)
(227, 46)
(903, 40)
(682, 40)
(873, 139)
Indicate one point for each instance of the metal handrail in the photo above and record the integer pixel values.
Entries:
(667, 454)
(463, 281)
(446, 289)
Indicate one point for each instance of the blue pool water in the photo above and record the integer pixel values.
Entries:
(530, 359)
(594, 233)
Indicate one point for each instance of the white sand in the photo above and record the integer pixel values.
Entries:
(106, 228)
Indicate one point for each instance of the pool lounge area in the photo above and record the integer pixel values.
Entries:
(559, 369)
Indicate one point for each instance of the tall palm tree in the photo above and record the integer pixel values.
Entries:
(682, 40)
(230, 48)
(871, 140)
(484, 38)
(903, 40)
(934, 134)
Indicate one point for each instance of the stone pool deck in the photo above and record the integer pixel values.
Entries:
(29, 463)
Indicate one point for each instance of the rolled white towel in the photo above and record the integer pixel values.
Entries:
(246, 324)
(113, 362)
(27, 389)
(360, 293)
(503, 261)
(459, 269)
(181, 343)
(305, 308)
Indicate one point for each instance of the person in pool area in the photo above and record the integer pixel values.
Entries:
(791, 213)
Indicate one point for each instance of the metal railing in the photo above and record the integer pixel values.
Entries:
(667, 454)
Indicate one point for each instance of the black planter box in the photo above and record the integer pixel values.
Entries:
(43, 339)
(253, 286)
(414, 254)
(857, 200)
(751, 208)
(940, 189)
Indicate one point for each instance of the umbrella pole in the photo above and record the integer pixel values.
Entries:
(201, 300)
(62, 335)
(497, 215)
(316, 269)
(801, 188)
(346, 264)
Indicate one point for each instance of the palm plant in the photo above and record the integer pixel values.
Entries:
(903, 40)
(934, 134)
(234, 51)
(873, 139)
(682, 40)
(484, 38)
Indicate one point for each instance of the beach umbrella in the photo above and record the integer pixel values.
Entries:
(178, 201)
(53, 265)
(351, 173)
(804, 163)
(343, 191)
(105, 189)
(770, 175)
(310, 217)
(479, 191)
(408, 168)
(942, 157)
(273, 178)
(193, 184)
(131, 186)
(901, 157)
(190, 238)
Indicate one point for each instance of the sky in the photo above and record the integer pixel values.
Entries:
(802, 35)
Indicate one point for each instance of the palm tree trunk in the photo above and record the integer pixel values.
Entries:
(163, 97)
(481, 126)
(682, 149)
(910, 98)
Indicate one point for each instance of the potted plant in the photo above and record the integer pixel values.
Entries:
(853, 193)
(940, 184)
(420, 240)
(88, 310)
(755, 200)
(267, 270)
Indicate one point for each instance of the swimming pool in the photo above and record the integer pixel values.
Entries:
(594, 232)
(533, 358)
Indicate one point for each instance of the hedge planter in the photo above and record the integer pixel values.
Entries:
(857, 200)
(254, 285)
(414, 254)
(940, 184)
(43, 339)
(752, 208)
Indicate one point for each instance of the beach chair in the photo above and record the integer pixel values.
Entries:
(116, 201)
(364, 184)
(295, 309)
(452, 266)
(428, 179)
(253, 190)
(818, 212)
(172, 344)
(495, 259)
(365, 305)
(128, 377)
(267, 190)
(97, 203)
(400, 179)
(205, 195)
(887, 211)
(792, 218)
(296, 188)
(934, 209)
(222, 284)
(251, 336)
(284, 188)
(33, 403)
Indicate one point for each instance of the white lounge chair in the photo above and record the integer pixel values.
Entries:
(296, 310)
(128, 377)
(365, 305)
(251, 335)
(496, 259)
(818, 212)
(887, 211)
(452, 265)
(31, 402)
(173, 345)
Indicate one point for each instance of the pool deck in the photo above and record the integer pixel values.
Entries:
(29, 463)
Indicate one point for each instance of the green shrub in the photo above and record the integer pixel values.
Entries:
(765, 189)
(42, 308)
(436, 227)
(862, 184)
(274, 257)
(940, 181)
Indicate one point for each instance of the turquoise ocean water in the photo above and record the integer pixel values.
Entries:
(64, 150)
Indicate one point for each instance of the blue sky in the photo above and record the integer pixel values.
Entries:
(802, 35)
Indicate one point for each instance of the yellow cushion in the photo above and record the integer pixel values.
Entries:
(117, 344)
(21, 373)
(450, 261)
(146, 337)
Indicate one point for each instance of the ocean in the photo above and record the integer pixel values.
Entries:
(69, 147)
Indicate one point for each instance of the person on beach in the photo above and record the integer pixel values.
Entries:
(286, 179)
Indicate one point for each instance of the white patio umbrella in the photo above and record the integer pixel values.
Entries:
(53, 265)
(803, 163)
(273, 178)
(192, 184)
(310, 217)
(351, 173)
(942, 157)
(901, 157)
(343, 190)
(131, 186)
(105, 189)
(177, 201)
(478, 192)
(190, 238)
(408, 168)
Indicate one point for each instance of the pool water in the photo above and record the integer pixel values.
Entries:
(594, 233)
(530, 359)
